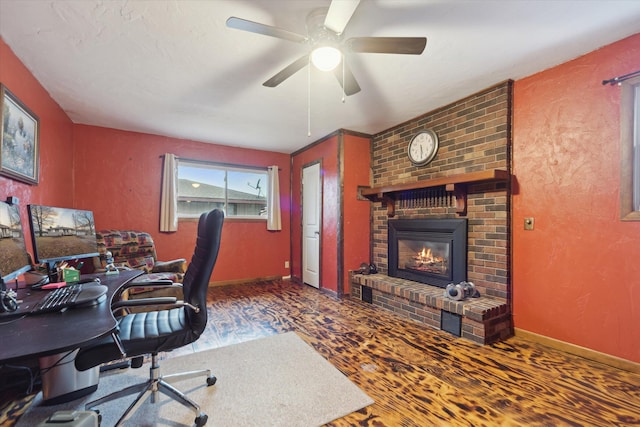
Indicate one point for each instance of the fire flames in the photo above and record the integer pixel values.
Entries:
(426, 261)
(425, 255)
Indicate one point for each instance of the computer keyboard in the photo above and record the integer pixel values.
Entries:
(75, 295)
(58, 299)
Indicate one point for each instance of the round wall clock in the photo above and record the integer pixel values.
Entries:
(423, 147)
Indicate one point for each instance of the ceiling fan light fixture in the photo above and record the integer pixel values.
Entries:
(326, 58)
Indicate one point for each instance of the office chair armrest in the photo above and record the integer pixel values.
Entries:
(145, 301)
(161, 302)
(151, 289)
(118, 267)
(150, 284)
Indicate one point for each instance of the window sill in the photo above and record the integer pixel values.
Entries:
(226, 219)
(631, 216)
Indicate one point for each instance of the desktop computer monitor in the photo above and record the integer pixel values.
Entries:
(61, 234)
(14, 258)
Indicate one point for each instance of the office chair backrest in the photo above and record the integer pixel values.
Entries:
(196, 278)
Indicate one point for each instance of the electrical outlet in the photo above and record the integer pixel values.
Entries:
(286, 264)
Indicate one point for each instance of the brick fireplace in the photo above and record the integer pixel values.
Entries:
(475, 139)
(431, 251)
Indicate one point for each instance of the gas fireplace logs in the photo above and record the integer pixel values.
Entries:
(426, 261)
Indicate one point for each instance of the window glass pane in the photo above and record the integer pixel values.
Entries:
(238, 192)
(246, 193)
(201, 174)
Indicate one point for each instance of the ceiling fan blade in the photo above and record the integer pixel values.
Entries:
(402, 45)
(267, 30)
(287, 72)
(350, 85)
(339, 14)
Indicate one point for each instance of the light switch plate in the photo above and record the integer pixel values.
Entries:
(528, 223)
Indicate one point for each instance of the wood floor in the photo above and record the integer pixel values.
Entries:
(423, 377)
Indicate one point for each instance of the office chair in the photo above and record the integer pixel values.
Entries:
(151, 332)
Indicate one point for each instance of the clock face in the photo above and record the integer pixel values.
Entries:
(423, 147)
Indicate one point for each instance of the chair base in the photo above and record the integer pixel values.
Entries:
(158, 384)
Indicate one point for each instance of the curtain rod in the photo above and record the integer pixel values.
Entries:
(209, 162)
(620, 79)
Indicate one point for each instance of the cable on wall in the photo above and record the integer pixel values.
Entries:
(343, 80)
(309, 98)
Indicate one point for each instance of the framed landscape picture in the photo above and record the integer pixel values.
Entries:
(19, 148)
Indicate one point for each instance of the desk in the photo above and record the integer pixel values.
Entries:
(47, 335)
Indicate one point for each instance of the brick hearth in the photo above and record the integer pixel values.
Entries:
(484, 320)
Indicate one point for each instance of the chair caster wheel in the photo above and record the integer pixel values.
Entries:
(201, 419)
(137, 362)
(211, 380)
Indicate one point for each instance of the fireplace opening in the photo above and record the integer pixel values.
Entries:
(431, 251)
(424, 256)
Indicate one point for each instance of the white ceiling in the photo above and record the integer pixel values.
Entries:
(172, 67)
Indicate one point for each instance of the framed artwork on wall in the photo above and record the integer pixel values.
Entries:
(19, 148)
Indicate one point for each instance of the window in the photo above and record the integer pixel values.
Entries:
(241, 192)
(630, 150)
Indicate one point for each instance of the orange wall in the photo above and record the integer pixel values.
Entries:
(576, 275)
(56, 146)
(352, 154)
(327, 153)
(356, 223)
(118, 176)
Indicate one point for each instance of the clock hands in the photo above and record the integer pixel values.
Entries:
(423, 147)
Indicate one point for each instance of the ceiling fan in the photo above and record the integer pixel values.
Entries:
(327, 49)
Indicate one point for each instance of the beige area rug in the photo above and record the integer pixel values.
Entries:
(275, 381)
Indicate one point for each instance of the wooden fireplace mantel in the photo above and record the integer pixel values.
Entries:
(456, 184)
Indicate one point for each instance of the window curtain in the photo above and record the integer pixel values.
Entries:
(274, 223)
(169, 196)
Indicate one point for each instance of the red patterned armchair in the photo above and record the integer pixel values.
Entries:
(135, 250)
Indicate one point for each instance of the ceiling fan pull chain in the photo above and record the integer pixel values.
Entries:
(309, 98)
(343, 80)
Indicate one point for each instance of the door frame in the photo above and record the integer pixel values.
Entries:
(306, 165)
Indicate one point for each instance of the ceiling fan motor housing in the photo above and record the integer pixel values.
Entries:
(318, 34)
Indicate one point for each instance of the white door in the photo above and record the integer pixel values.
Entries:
(311, 215)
